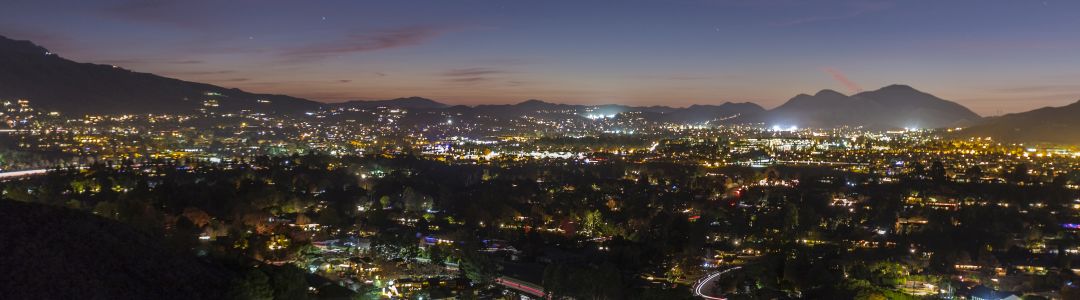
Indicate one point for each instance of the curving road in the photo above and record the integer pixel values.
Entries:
(707, 281)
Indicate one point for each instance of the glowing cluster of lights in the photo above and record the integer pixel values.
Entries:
(781, 128)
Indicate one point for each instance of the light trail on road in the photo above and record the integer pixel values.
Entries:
(15, 174)
(701, 284)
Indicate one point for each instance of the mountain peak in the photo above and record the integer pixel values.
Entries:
(899, 88)
(533, 102)
(828, 92)
(416, 99)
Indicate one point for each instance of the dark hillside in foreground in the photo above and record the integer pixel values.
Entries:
(56, 253)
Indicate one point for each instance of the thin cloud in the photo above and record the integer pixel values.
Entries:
(48, 39)
(468, 79)
(201, 73)
(173, 13)
(1043, 88)
(367, 42)
(1005, 45)
(149, 61)
(233, 80)
(843, 80)
(472, 75)
(857, 9)
(471, 72)
(187, 62)
(686, 77)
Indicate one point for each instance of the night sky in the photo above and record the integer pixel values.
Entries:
(992, 56)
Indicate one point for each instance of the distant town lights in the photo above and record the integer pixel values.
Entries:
(598, 116)
(781, 128)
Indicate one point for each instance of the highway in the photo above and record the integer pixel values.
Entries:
(15, 174)
(707, 281)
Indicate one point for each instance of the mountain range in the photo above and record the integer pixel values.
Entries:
(52, 83)
(894, 106)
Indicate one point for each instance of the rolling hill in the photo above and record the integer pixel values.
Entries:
(53, 83)
(1058, 125)
(406, 103)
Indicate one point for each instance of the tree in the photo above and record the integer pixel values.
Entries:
(937, 172)
(436, 254)
(289, 282)
(1019, 174)
(253, 285)
(415, 201)
(478, 268)
(791, 220)
(917, 170)
(107, 209)
(564, 280)
(974, 174)
(593, 223)
(197, 216)
(887, 274)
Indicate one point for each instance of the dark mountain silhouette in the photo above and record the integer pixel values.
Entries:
(527, 107)
(691, 114)
(407, 103)
(894, 106)
(704, 113)
(52, 83)
(904, 103)
(57, 253)
(539, 104)
(1059, 125)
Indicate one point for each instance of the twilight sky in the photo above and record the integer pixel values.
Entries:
(994, 56)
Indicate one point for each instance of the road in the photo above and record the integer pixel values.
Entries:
(704, 285)
(523, 286)
(16, 174)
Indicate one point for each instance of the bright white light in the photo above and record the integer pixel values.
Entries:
(782, 129)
